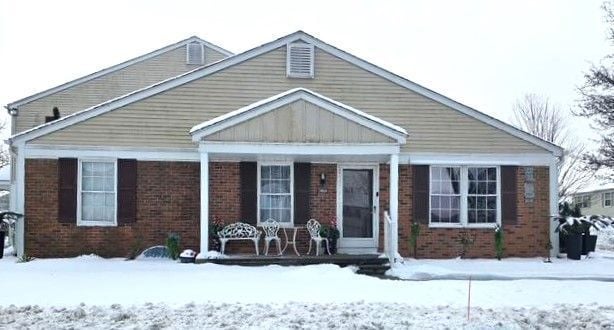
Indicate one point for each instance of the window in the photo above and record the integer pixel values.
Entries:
(195, 53)
(445, 194)
(97, 193)
(275, 188)
(582, 201)
(299, 60)
(482, 195)
(607, 199)
(464, 196)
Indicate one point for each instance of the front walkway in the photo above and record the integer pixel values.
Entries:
(599, 267)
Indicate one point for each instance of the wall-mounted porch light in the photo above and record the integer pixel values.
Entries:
(323, 182)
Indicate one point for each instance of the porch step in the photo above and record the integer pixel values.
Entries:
(373, 269)
(368, 264)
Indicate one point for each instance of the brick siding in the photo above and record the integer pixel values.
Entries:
(169, 201)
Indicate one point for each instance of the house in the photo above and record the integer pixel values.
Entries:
(595, 200)
(292, 129)
(5, 187)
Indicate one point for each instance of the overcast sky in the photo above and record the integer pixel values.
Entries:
(485, 54)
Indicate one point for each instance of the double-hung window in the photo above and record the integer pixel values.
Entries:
(464, 196)
(275, 193)
(583, 201)
(608, 199)
(445, 195)
(97, 193)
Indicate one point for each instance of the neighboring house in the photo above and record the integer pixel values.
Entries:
(596, 200)
(293, 129)
(5, 187)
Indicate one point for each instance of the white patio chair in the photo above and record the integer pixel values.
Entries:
(313, 227)
(271, 228)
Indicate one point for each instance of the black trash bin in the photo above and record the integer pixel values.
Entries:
(2, 236)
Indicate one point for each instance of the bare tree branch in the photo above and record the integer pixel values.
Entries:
(536, 115)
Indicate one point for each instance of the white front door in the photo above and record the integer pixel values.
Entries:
(357, 208)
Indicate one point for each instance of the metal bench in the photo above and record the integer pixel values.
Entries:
(238, 231)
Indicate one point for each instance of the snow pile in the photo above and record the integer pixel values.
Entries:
(605, 239)
(597, 267)
(97, 281)
(304, 316)
(210, 255)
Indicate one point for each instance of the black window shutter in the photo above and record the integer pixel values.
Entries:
(302, 189)
(248, 172)
(126, 191)
(67, 190)
(421, 196)
(509, 197)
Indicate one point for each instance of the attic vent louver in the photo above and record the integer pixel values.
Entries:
(299, 61)
(195, 53)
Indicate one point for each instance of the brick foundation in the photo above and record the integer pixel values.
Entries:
(169, 201)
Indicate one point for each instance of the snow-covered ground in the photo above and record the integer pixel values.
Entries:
(94, 292)
(358, 315)
(600, 266)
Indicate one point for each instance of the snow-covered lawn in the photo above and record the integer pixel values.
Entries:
(600, 266)
(93, 292)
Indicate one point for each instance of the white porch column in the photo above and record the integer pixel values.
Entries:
(554, 204)
(394, 203)
(204, 202)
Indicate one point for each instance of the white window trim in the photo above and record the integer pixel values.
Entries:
(291, 164)
(464, 188)
(202, 53)
(313, 60)
(611, 199)
(81, 222)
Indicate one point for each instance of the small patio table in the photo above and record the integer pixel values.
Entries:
(293, 242)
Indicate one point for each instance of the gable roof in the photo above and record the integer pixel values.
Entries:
(274, 102)
(267, 47)
(116, 67)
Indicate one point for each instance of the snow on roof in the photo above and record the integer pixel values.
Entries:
(287, 94)
(596, 186)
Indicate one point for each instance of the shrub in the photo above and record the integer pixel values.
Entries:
(413, 238)
(172, 244)
(499, 242)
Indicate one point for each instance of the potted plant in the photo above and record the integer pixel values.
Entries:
(214, 242)
(576, 228)
(572, 232)
(331, 232)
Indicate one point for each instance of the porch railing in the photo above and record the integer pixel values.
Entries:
(388, 241)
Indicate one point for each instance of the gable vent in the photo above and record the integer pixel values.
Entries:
(195, 53)
(299, 62)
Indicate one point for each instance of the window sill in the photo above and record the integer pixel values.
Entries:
(461, 226)
(95, 224)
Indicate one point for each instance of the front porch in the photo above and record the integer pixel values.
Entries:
(298, 156)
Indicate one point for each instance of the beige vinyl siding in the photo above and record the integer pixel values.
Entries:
(109, 86)
(300, 122)
(596, 206)
(164, 120)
